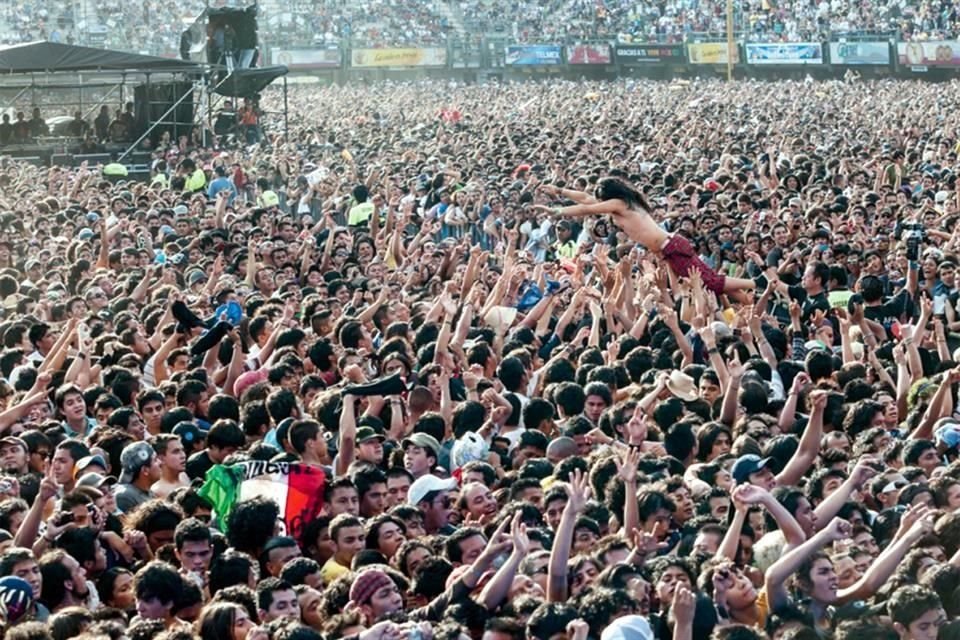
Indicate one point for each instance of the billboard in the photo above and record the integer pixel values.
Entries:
(589, 54)
(306, 58)
(936, 53)
(711, 53)
(877, 53)
(534, 54)
(428, 57)
(784, 53)
(648, 54)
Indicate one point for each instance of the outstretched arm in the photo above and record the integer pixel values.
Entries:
(607, 207)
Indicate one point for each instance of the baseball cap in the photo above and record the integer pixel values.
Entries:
(425, 485)
(16, 594)
(365, 434)
(746, 465)
(188, 433)
(14, 440)
(196, 277)
(181, 210)
(133, 458)
(95, 480)
(87, 461)
(424, 441)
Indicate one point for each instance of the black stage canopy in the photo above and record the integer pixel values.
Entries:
(53, 57)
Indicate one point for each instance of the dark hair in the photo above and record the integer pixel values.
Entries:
(550, 619)
(616, 188)
(225, 434)
(251, 524)
(296, 570)
(267, 587)
(107, 580)
(191, 530)
(910, 602)
(231, 568)
(452, 544)
(158, 579)
(216, 620)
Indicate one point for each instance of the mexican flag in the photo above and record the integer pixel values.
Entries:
(297, 488)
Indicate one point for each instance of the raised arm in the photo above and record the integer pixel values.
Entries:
(831, 505)
(731, 539)
(499, 586)
(886, 563)
(728, 409)
(776, 577)
(806, 453)
(627, 465)
(560, 554)
(346, 435)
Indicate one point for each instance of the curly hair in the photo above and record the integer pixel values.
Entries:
(251, 524)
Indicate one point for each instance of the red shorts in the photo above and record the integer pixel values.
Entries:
(681, 257)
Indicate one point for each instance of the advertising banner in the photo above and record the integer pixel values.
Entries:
(589, 54)
(534, 54)
(784, 53)
(711, 53)
(306, 58)
(876, 53)
(429, 57)
(629, 54)
(937, 53)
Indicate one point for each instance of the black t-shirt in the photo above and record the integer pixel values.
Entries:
(899, 308)
(809, 304)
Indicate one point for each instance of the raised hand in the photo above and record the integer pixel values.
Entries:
(627, 464)
(647, 544)
(683, 606)
(734, 368)
(749, 494)
(518, 536)
(577, 630)
(499, 542)
(579, 491)
(799, 382)
(838, 529)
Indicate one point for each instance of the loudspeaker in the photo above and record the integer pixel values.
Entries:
(154, 100)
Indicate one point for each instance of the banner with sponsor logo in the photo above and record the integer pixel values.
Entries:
(649, 54)
(877, 53)
(711, 53)
(306, 58)
(589, 54)
(534, 54)
(427, 57)
(937, 53)
(784, 53)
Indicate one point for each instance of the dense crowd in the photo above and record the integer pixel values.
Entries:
(569, 360)
(155, 27)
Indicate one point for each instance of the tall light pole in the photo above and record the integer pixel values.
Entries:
(730, 45)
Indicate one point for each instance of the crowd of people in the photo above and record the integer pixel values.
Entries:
(569, 360)
(155, 27)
